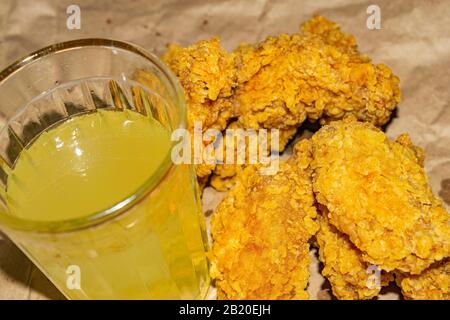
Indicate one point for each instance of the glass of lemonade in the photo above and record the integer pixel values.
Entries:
(88, 190)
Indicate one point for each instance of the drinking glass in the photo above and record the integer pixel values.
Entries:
(149, 245)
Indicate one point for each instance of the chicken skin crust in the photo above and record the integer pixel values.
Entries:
(261, 233)
(432, 284)
(207, 74)
(224, 176)
(376, 192)
(317, 73)
(351, 278)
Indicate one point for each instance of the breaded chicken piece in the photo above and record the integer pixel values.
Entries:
(207, 74)
(261, 232)
(431, 284)
(376, 192)
(317, 73)
(351, 278)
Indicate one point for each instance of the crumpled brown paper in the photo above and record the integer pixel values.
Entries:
(414, 41)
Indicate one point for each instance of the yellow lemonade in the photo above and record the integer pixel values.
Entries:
(85, 165)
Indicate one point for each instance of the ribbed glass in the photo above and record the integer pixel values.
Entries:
(151, 244)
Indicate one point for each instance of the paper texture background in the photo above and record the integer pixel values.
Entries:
(414, 41)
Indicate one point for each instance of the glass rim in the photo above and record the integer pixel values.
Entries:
(150, 184)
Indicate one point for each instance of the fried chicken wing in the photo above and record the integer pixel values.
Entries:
(432, 284)
(317, 73)
(207, 74)
(261, 232)
(351, 278)
(376, 192)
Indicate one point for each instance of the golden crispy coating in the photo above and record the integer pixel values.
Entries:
(376, 191)
(224, 176)
(207, 74)
(317, 73)
(351, 278)
(432, 284)
(261, 232)
(331, 33)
